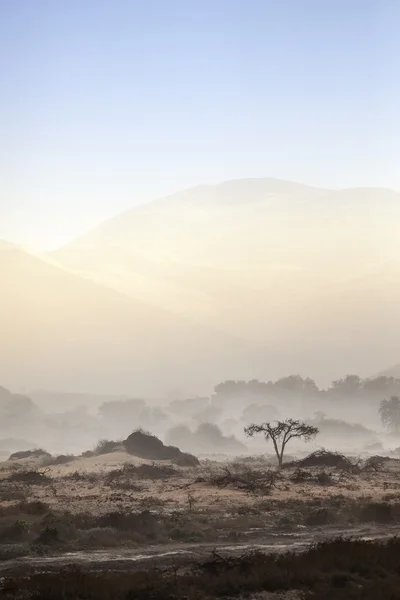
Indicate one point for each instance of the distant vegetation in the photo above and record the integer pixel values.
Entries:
(208, 424)
(390, 413)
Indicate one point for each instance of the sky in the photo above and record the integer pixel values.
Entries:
(106, 104)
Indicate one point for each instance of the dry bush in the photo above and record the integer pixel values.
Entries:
(33, 477)
(107, 446)
(242, 477)
(99, 537)
(325, 458)
(143, 471)
(324, 478)
(300, 476)
(11, 491)
(17, 531)
(83, 476)
(26, 507)
(375, 463)
(61, 459)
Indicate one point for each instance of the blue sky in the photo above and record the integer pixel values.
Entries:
(108, 103)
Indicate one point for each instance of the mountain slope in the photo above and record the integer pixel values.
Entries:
(61, 331)
(263, 259)
(391, 372)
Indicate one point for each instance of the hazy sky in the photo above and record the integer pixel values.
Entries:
(108, 103)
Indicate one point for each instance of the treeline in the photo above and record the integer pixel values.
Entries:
(350, 385)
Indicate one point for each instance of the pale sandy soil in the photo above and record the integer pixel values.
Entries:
(172, 494)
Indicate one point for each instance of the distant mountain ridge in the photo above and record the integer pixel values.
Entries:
(62, 331)
(262, 259)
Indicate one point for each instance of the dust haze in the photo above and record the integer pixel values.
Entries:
(194, 315)
(199, 300)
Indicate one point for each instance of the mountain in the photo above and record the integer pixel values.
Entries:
(312, 272)
(62, 331)
(391, 372)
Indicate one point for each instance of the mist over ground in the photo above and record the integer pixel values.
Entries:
(346, 414)
(252, 278)
(199, 300)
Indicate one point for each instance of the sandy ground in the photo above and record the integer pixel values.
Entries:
(172, 493)
(239, 520)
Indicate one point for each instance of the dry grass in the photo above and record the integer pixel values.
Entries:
(336, 570)
(213, 502)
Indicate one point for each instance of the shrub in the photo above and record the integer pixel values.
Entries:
(242, 477)
(106, 447)
(324, 479)
(63, 459)
(324, 458)
(47, 537)
(322, 516)
(96, 537)
(378, 512)
(15, 532)
(33, 477)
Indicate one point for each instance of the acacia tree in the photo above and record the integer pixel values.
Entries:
(281, 432)
(390, 413)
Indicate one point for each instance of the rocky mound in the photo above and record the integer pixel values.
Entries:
(145, 445)
(39, 453)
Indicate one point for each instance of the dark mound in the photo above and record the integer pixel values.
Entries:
(63, 459)
(39, 453)
(145, 445)
(323, 458)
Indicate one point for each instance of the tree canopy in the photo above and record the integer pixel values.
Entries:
(390, 413)
(281, 432)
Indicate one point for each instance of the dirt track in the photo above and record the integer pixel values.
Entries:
(181, 554)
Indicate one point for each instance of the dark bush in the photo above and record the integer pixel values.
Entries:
(143, 471)
(15, 532)
(242, 477)
(322, 516)
(324, 458)
(47, 537)
(300, 476)
(378, 512)
(82, 476)
(324, 478)
(124, 521)
(29, 477)
(106, 447)
(63, 459)
(32, 508)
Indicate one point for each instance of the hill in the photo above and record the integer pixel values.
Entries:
(315, 273)
(61, 331)
(391, 372)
